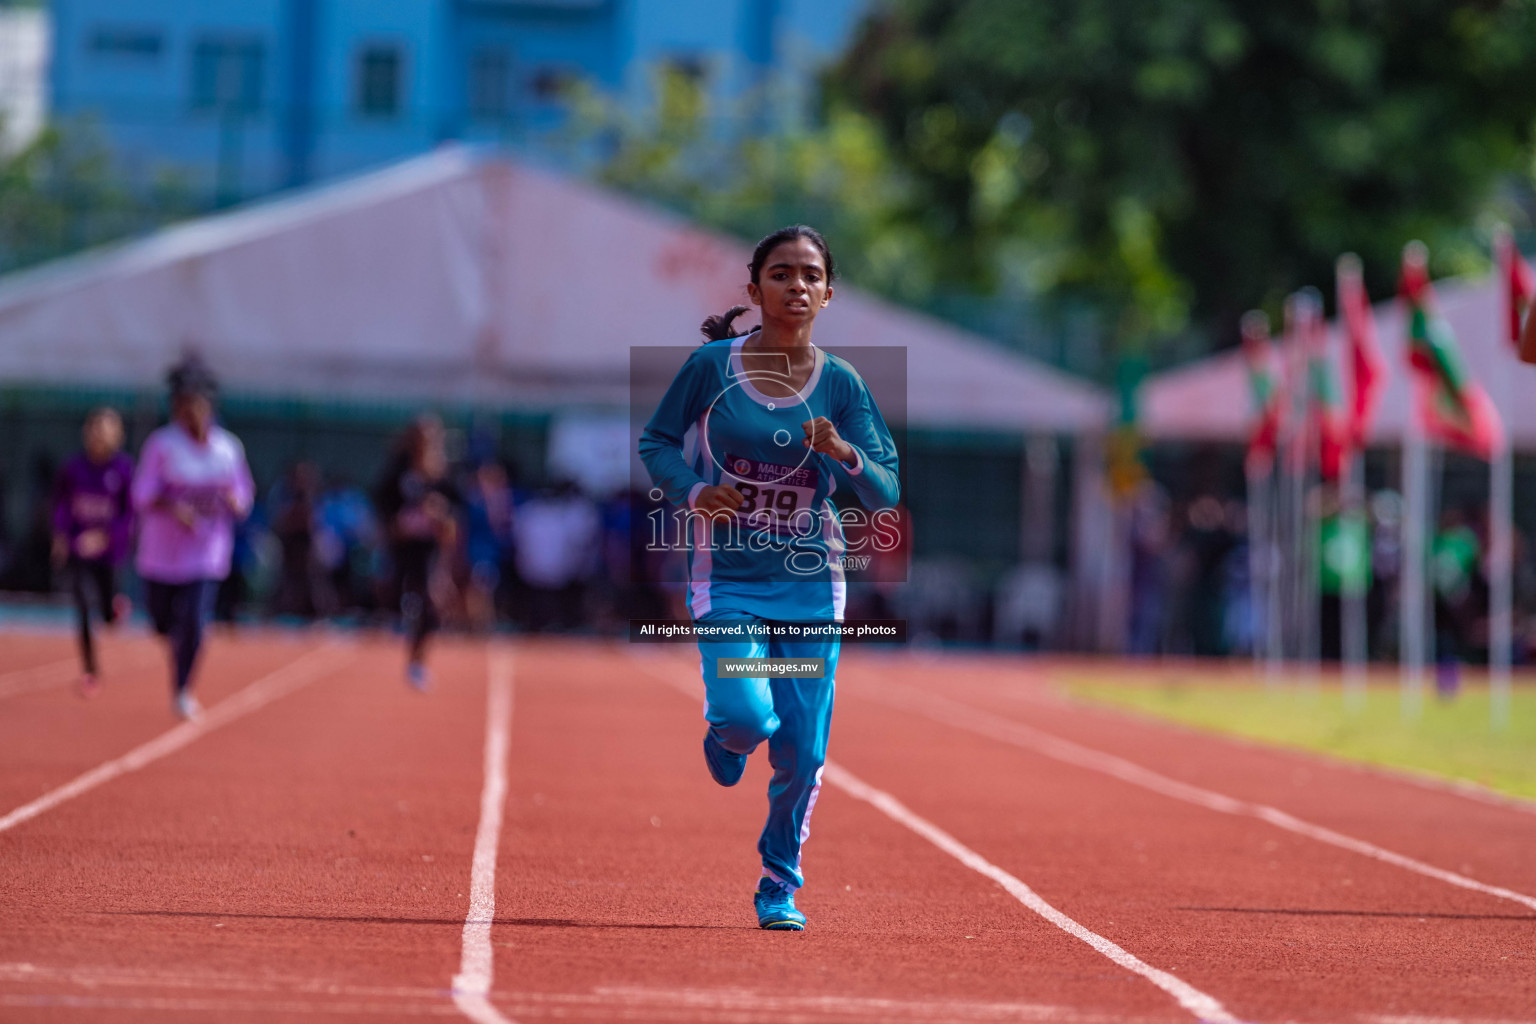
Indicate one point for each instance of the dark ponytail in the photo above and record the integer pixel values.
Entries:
(718, 327)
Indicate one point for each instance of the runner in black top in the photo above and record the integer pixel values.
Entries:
(416, 500)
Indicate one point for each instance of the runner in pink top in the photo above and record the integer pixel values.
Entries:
(191, 487)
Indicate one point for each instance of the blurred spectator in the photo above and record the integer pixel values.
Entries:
(1240, 617)
(1026, 606)
(556, 537)
(875, 593)
(487, 538)
(293, 507)
(1151, 543)
(31, 563)
(943, 602)
(1454, 559)
(7, 553)
(1208, 542)
(1386, 572)
(346, 539)
(630, 572)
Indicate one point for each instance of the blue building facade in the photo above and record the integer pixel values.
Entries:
(246, 96)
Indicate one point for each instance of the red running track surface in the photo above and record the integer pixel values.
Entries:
(311, 858)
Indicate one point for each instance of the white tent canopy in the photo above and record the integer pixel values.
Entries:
(1210, 400)
(453, 277)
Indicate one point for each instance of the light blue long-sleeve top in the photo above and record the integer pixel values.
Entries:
(780, 557)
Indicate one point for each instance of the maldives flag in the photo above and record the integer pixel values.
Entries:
(1368, 368)
(1453, 407)
(1325, 404)
(1519, 283)
(1268, 396)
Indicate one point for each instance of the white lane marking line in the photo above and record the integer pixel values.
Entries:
(984, 723)
(754, 1005)
(1206, 1008)
(1442, 784)
(297, 673)
(472, 985)
(96, 976)
(220, 1007)
(679, 1003)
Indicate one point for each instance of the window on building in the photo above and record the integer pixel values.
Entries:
(226, 75)
(551, 84)
(378, 81)
(490, 84)
(125, 41)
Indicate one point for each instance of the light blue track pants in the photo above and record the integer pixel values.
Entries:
(793, 715)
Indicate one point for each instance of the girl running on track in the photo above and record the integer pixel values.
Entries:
(779, 424)
(191, 487)
(92, 527)
(416, 502)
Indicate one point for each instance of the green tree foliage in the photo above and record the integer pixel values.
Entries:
(837, 174)
(60, 194)
(1180, 161)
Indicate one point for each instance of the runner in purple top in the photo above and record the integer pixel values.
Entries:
(191, 487)
(92, 526)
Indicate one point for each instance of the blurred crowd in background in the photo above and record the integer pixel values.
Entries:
(1190, 565)
(320, 546)
(546, 556)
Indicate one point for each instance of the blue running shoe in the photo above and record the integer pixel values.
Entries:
(724, 766)
(776, 907)
(416, 677)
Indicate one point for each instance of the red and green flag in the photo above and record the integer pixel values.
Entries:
(1518, 280)
(1368, 367)
(1453, 408)
(1268, 396)
(1325, 404)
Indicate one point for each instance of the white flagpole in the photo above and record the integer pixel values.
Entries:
(1501, 510)
(1354, 638)
(1297, 456)
(1354, 627)
(1258, 547)
(1411, 613)
(1272, 623)
(1501, 580)
(1312, 498)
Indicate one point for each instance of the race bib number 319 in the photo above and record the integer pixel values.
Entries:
(772, 493)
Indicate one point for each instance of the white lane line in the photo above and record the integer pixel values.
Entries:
(1206, 1008)
(218, 1009)
(300, 672)
(472, 985)
(1442, 784)
(752, 1006)
(984, 723)
(97, 977)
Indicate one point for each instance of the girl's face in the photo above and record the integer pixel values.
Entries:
(103, 436)
(195, 413)
(792, 285)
